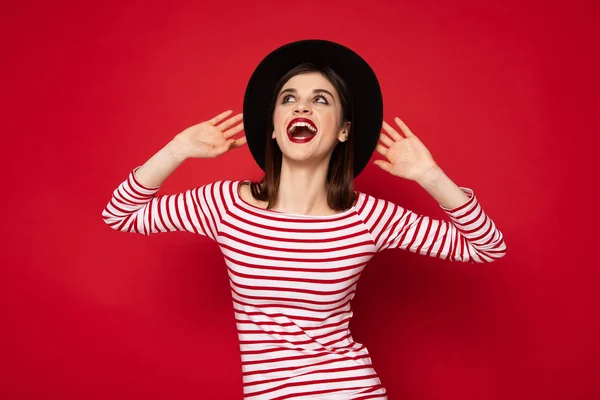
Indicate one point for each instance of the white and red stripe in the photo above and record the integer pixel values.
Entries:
(293, 277)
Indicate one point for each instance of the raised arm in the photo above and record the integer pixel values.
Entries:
(135, 207)
(468, 236)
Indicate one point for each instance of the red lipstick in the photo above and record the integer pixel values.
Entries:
(306, 123)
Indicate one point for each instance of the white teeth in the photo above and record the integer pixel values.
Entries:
(305, 124)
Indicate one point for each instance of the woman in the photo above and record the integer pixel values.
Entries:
(296, 243)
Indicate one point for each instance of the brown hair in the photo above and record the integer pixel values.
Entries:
(340, 174)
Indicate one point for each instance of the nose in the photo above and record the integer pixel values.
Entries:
(302, 109)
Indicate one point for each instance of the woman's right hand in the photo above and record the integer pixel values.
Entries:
(209, 139)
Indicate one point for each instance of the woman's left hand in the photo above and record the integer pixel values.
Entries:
(408, 157)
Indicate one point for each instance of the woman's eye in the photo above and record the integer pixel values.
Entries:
(324, 99)
(285, 98)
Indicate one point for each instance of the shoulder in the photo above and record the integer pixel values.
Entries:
(373, 210)
(366, 202)
(231, 190)
(221, 189)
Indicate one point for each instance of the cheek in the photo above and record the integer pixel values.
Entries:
(330, 123)
(278, 118)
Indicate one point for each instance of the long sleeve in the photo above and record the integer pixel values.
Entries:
(468, 236)
(136, 208)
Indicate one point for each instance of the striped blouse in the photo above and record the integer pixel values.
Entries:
(293, 276)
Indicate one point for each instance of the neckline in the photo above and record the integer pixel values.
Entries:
(244, 203)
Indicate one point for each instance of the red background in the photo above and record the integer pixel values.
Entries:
(502, 94)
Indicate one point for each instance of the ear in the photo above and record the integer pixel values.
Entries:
(343, 135)
(273, 135)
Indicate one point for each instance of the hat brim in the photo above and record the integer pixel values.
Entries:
(356, 72)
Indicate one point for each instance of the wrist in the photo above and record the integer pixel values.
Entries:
(176, 150)
(431, 176)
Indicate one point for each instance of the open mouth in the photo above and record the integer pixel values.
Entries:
(301, 130)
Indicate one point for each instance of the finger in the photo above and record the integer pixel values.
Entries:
(239, 142)
(385, 139)
(219, 117)
(403, 126)
(393, 133)
(384, 165)
(233, 131)
(381, 149)
(230, 122)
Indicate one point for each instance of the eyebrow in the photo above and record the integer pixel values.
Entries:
(314, 92)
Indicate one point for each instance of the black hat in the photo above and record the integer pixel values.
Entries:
(358, 75)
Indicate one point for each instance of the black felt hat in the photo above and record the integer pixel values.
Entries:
(367, 102)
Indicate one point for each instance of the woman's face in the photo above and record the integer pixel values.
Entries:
(306, 119)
